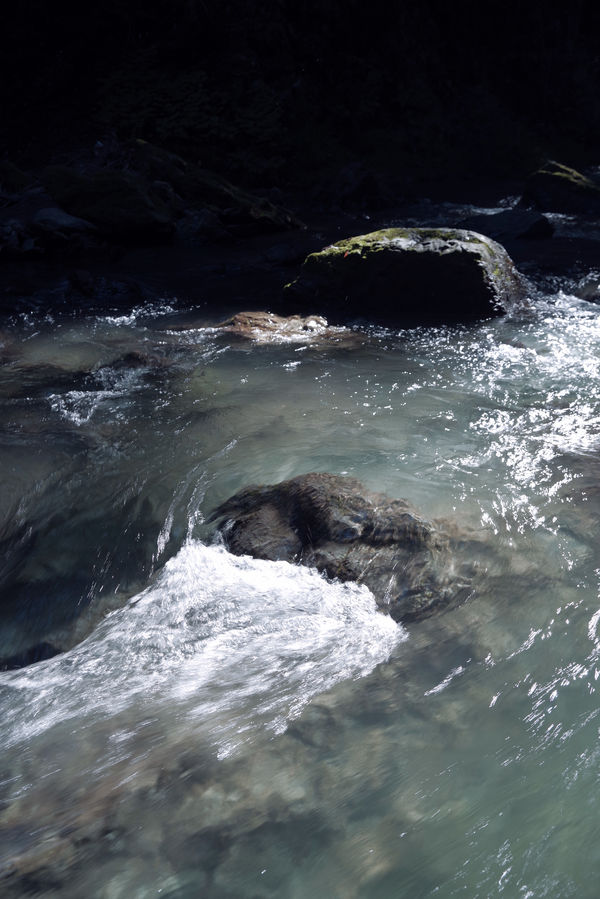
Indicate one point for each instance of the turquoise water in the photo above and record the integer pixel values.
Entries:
(224, 727)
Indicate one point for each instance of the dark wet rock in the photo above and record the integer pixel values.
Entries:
(16, 241)
(149, 195)
(45, 232)
(120, 204)
(87, 289)
(558, 188)
(560, 257)
(53, 287)
(32, 225)
(587, 289)
(137, 359)
(512, 224)
(59, 223)
(357, 186)
(407, 276)
(334, 524)
(198, 226)
(150, 361)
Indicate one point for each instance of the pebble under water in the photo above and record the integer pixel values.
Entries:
(217, 726)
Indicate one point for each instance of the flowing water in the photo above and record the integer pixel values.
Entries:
(218, 726)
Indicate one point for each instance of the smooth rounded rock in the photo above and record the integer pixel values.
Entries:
(336, 525)
(410, 276)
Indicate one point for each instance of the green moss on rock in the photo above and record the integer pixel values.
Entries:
(558, 188)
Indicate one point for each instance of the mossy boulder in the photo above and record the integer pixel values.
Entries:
(120, 204)
(336, 525)
(558, 188)
(409, 276)
(198, 186)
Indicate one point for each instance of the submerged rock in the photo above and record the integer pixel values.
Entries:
(558, 188)
(334, 524)
(408, 276)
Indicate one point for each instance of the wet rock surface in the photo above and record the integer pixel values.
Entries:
(334, 524)
(266, 327)
(410, 276)
(512, 224)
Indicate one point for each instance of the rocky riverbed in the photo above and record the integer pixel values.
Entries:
(187, 719)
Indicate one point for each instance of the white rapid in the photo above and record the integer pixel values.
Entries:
(230, 643)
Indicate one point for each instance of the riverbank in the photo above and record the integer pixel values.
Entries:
(224, 276)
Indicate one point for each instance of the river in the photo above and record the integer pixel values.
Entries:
(218, 726)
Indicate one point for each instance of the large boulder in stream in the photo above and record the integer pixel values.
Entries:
(558, 188)
(334, 524)
(410, 276)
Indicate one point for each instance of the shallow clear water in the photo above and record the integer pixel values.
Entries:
(226, 727)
